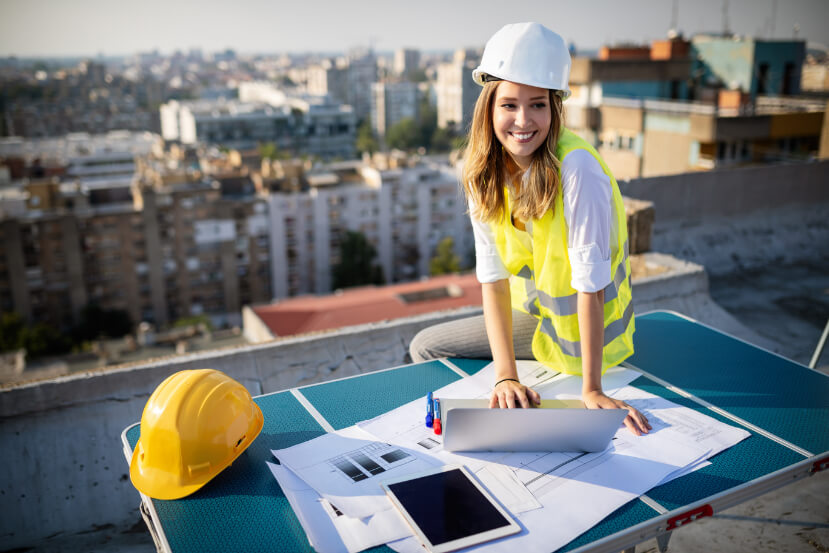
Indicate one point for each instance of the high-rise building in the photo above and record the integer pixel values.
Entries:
(361, 73)
(456, 91)
(171, 243)
(391, 103)
(406, 61)
(329, 78)
(299, 125)
(404, 213)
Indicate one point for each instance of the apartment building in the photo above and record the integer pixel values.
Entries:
(455, 90)
(392, 102)
(660, 71)
(328, 78)
(754, 66)
(406, 61)
(301, 125)
(404, 213)
(178, 244)
(686, 105)
(658, 137)
(361, 73)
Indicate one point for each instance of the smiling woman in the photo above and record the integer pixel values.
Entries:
(550, 233)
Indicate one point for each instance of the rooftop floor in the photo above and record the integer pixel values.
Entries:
(786, 304)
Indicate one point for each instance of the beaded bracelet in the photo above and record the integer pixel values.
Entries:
(504, 380)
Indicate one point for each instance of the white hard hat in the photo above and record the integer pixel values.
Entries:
(526, 53)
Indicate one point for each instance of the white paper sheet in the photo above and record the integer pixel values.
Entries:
(328, 529)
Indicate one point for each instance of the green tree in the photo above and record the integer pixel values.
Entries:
(12, 329)
(38, 340)
(441, 140)
(403, 135)
(96, 322)
(427, 123)
(42, 339)
(417, 76)
(194, 320)
(445, 260)
(356, 266)
(268, 150)
(365, 139)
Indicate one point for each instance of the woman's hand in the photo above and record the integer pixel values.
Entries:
(635, 421)
(510, 393)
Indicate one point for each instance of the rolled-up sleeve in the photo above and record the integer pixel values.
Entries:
(488, 264)
(586, 194)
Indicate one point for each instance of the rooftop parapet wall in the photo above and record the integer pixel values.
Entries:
(60, 439)
(737, 219)
(730, 192)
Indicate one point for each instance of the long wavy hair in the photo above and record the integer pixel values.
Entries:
(488, 167)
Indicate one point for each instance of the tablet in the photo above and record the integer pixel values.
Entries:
(448, 509)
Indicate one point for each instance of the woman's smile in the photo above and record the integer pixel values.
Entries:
(523, 136)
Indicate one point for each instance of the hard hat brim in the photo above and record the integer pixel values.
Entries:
(480, 78)
(157, 488)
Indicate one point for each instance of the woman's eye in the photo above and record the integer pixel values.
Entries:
(507, 106)
(540, 105)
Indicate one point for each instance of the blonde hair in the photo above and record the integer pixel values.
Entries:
(488, 167)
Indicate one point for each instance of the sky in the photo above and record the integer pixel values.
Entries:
(57, 28)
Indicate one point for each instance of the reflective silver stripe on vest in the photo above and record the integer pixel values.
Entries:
(561, 305)
(618, 327)
(532, 294)
(573, 349)
(568, 305)
(612, 289)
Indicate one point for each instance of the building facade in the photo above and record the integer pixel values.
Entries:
(309, 125)
(406, 61)
(178, 244)
(391, 103)
(404, 213)
(456, 92)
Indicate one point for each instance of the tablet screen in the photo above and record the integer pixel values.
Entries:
(447, 506)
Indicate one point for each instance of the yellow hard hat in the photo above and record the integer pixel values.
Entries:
(195, 424)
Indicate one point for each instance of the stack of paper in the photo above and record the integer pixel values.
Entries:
(332, 481)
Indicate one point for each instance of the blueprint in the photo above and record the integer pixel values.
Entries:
(343, 470)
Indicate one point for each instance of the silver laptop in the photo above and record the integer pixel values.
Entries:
(557, 425)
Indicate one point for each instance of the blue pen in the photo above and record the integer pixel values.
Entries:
(429, 414)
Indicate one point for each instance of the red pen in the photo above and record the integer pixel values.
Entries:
(436, 422)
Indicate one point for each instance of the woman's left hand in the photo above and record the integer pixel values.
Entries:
(635, 421)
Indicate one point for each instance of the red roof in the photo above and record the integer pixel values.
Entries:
(369, 304)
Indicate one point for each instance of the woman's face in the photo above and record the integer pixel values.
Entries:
(521, 117)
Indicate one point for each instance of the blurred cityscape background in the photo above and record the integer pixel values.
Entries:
(180, 178)
(156, 197)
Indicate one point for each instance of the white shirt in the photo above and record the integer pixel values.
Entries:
(586, 195)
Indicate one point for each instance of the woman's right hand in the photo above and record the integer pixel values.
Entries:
(509, 394)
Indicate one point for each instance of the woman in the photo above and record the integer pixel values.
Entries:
(550, 232)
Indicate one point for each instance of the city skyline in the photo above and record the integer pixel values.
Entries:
(50, 28)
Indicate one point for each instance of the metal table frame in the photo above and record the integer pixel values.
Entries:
(621, 530)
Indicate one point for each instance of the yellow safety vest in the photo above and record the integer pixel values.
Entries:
(540, 284)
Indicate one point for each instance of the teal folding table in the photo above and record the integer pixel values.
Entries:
(784, 405)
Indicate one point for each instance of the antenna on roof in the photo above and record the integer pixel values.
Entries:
(773, 17)
(675, 15)
(725, 25)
